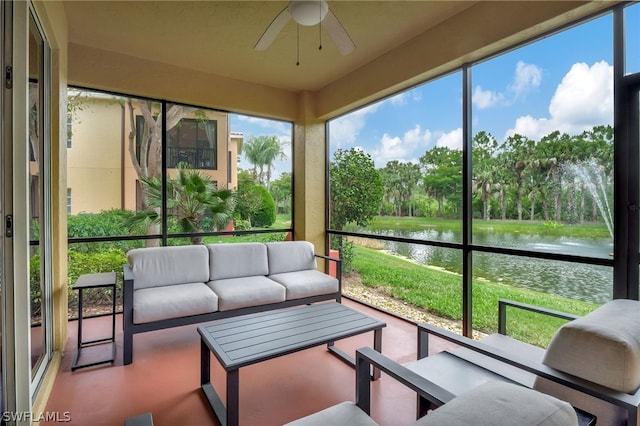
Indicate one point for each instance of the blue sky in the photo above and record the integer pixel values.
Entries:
(563, 82)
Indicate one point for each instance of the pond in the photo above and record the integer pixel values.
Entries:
(591, 283)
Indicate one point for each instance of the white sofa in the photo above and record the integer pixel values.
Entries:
(178, 285)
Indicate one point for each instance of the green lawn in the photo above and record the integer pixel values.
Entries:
(593, 230)
(441, 294)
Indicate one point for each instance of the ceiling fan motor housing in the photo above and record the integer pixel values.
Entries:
(308, 12)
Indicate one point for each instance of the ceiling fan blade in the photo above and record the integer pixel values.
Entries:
(338, 34)
(273, 30)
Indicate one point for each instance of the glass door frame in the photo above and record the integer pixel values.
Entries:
(19, 381)
(44, 202)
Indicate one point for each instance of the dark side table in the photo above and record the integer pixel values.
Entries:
(106, 280)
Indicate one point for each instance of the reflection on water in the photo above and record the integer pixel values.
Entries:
(590, 283)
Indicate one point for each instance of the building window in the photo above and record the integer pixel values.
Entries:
(69, 130)
(68, 200)
(191, 141)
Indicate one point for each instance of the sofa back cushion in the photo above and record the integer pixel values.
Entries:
(160, 266)
(290, 256)
(237, 260)
(602, 347)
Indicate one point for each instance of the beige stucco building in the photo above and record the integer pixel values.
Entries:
(100, 170)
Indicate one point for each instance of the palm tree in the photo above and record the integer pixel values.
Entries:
(484, 148)
(262, 152)
(272, 152)
(190, 196)
(254, 154)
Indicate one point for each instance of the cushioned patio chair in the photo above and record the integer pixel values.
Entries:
(593, 362)
(493, 403)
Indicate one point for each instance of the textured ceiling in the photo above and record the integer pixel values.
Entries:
(217, 37)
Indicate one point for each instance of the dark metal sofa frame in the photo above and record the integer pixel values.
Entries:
(629, 403)
(368, 358)
(130, 328)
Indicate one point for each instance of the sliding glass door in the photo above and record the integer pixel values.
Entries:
(26, 343)
(39, 200)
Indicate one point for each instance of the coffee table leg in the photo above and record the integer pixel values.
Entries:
(233, 398)
(205, 364)
(377, 345)
(218, 407)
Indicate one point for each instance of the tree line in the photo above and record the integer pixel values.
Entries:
(560, 177)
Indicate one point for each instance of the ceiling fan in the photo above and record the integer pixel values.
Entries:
(308, 13)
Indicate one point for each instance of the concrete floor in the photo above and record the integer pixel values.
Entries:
(164, 379)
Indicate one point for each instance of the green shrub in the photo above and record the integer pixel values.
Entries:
(241, 225)
(346, 250)
(265, 216)
(104, 224)
(80, 263)
(109, 223)
(35, 290)
(86, 263)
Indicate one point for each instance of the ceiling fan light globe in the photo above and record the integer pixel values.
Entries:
(308, 12)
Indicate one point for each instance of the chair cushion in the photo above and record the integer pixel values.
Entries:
(170, 265)
(234, 293)
(306, 283)
(174, 301)
(343, 414)
(237, 260)
(602, 347)
(499, 403)
(290, 256)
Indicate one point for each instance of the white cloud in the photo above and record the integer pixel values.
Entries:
(485, 98)
(583, 99)
(265, 123)
(527, 76)
(403, 98)
(401, 148)
(345, 130)
(399, 100)
(451, 140)
(585, 95)
(280, 129)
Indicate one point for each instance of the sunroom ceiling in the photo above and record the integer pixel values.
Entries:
(217, 37)
(398, 44)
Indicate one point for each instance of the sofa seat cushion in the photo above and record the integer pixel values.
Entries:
(237, 260)
(235, 293)
(175, 301)
(170, 265)
(345, 413)
(306, 283)
(290, 256)
(499, 403)
(602, 347)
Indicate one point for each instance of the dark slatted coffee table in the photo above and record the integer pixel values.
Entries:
(249, 339)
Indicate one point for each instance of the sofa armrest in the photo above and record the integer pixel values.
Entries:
(628, 402)
(504, 303)
(367, 357)
(338, 262)
(127, 314)
(127, 286)
(127, 273)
